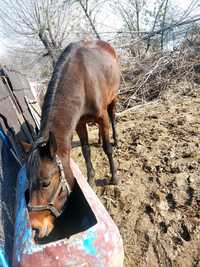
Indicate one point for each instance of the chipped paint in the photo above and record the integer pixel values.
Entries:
(88, 244)
(3, 261)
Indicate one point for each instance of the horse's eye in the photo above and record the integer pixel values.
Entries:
(45, 183)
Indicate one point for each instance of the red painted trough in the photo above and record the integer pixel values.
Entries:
(85, 235)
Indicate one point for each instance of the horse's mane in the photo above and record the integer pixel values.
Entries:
(53, 84)
(33, 163)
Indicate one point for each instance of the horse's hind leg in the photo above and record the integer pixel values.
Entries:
(111, 113)
(83, 135)
(99, 136)
(107, 147)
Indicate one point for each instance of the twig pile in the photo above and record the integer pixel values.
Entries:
(147, 79)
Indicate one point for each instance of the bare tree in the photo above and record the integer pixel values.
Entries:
(88, 14)
(131, 13)
(163, 24)
(157, 15)
(152, 22)
(43, 20)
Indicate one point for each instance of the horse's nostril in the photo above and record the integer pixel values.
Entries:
(36, 231)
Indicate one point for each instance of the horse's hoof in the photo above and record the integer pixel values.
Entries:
(91, 174)
(114, 181)
(91, 182)
(115, 144)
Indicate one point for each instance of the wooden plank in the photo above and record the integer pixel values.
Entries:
(19, 88)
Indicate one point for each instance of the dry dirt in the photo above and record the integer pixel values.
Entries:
(157, 203)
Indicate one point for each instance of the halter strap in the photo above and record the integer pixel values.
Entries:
(63, 185)
(39, 142)
(63, 180)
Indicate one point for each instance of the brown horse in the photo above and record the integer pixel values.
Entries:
(83, 89)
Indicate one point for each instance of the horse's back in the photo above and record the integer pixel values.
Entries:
(99, 68)
(85, 81)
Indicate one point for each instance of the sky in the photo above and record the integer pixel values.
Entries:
(183, 3)
(112, 21)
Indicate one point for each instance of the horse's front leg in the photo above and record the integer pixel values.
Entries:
(107, 147)
(83, 135)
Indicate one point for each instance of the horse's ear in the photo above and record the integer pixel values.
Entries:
(26, 147)
(52, 145)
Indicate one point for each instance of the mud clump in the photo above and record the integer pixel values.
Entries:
(157, 203)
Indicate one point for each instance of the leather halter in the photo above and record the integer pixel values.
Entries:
(63, 185)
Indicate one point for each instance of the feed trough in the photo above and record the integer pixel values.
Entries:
(84, 235)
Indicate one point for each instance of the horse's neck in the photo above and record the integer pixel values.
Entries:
(63, 127)
(62, 123)
(62, 119)
(63, 151)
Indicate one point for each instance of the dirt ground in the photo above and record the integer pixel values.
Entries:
(157, 203)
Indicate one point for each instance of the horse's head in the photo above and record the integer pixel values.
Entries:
(48, 187)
